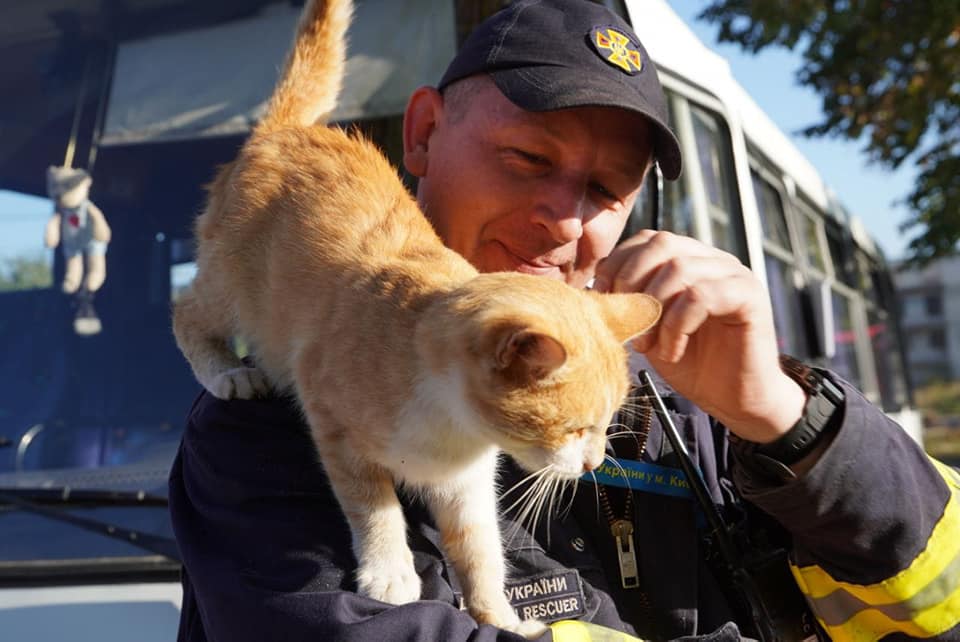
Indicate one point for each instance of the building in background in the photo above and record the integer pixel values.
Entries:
(930, 300)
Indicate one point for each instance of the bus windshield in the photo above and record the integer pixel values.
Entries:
(94, 390)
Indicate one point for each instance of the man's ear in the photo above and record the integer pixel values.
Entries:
(419, 120)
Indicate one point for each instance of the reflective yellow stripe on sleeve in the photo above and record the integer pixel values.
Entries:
(574, 631)
(921, 601)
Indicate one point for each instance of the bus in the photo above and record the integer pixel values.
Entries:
(151, 100)
(748, 190)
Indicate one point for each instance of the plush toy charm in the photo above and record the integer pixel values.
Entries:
(80, 229)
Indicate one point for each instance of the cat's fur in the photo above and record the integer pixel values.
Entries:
(410, 367)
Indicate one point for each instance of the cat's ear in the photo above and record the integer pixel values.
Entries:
(628, 315)
(525, 356)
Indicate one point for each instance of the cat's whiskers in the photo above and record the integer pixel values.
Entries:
(566, 511)
(543, 495)
(615, 462)
(520, 483)
(528, 500)
(596, 491)
(635, 410)
(533, 488)
(546, 499)
(533, 507)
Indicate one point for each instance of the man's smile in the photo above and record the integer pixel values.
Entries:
(538, 266)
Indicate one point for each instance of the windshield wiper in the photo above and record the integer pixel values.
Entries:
(39, 500)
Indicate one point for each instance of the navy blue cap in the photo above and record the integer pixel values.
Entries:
(557, 54)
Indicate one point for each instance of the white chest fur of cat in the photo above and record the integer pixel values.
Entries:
(410, 367)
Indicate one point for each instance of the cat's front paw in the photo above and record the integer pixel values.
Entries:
(239, 383)
(396, 582)
(500, 614)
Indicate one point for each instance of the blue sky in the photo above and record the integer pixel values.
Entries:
(867, 191)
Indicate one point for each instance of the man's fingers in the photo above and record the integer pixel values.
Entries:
(687, 311)
(677, 274)
(632, 265)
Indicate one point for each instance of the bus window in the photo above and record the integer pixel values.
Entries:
(844, 361)
(772, 218)
(887, 355)
(183, 268)
(677, 215)
(811, 242)
(716, 167)
(788, 315)
(841, 258)
(785, 296)
(884, 333)
(25, 264)
(677, 208)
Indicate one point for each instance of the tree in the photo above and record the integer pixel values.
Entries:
(887, 71)
(25, 273)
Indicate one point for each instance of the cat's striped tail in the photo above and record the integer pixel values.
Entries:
(313, 73)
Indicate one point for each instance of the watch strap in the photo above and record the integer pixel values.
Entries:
(824, 399)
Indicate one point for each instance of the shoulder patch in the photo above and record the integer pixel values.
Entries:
(549, 597)
(617, 49)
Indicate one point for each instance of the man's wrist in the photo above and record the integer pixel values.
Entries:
(799, 448)
(786, 408)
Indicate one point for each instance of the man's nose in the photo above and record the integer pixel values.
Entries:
(560, 211)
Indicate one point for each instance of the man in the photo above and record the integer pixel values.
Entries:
(530, 155)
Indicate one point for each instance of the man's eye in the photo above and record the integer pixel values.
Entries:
(530, 157)
(604, 192)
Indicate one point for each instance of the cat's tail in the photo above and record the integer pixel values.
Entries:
(313, 73)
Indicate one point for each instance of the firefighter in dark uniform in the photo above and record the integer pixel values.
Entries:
(530, 154)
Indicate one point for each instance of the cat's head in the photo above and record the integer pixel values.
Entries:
(539, 366)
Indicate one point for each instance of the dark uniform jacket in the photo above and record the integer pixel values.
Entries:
(874, 529)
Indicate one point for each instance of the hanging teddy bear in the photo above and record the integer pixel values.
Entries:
(78, 227)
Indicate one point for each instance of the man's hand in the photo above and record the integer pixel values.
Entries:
(715, 342)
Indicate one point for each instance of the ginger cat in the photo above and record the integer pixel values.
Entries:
(410, 367)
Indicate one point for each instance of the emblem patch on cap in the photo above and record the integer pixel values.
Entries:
(617, 49)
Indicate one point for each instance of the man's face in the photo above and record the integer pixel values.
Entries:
(545, 193)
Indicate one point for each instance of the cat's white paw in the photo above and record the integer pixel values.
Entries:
(500, 614)
(530, 629)
(395, 582)
(239, 383)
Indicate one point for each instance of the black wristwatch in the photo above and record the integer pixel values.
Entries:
(821, 415)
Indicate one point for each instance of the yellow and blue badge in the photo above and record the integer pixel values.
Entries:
(617, 49)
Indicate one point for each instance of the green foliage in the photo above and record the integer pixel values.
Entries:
(888, 72)
(939, 399)
(25, 273)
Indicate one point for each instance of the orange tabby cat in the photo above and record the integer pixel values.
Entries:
(410, 366)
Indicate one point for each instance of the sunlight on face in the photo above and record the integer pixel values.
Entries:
(545, 193)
